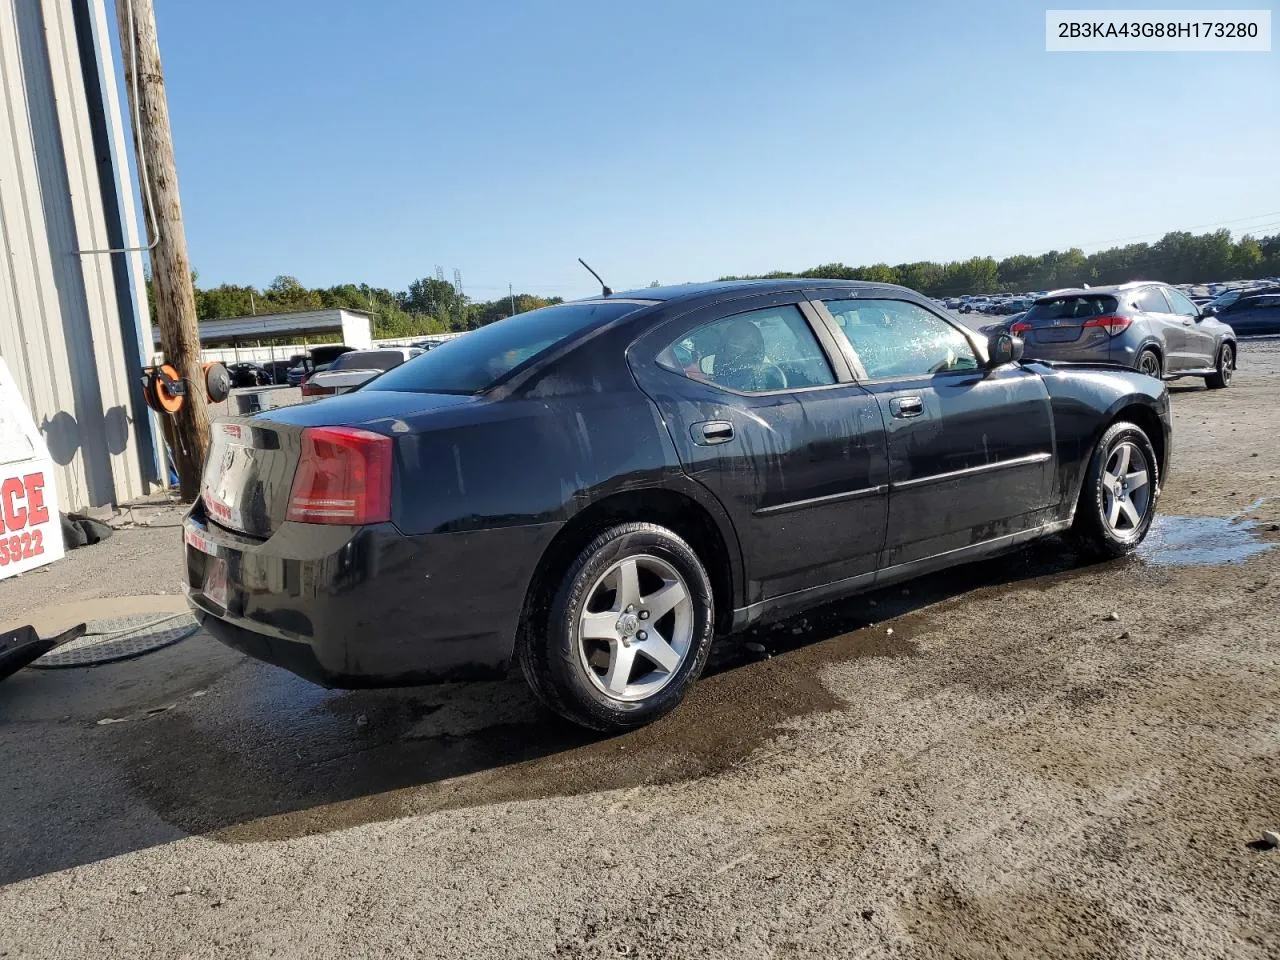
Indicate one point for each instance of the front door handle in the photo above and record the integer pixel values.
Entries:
(904, 408)
(708, 433)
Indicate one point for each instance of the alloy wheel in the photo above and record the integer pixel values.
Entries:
(1149, 364)
(636, 628)
(1225, 357)
(1126, 490)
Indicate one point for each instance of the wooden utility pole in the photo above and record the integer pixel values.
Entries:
(170, 268)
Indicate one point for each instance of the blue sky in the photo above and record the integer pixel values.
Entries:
(675, 141)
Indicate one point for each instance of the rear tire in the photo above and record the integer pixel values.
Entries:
(1222, 378)
(1118, 497)
(1148, 362)
(626, 633)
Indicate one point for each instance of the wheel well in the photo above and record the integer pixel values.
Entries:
(1150, 423)
(1154, 347)
(678, 513)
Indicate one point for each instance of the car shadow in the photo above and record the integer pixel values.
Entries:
(248, 752)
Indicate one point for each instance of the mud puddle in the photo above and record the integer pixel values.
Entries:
(1203, 541)
(273, 757)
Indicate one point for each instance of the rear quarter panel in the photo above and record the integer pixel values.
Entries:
(1085, 401)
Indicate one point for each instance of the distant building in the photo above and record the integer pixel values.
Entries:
(72, 320)
(353, 326)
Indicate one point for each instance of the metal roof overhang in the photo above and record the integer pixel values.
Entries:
(271, 326)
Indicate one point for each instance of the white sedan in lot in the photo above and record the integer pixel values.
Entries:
(356, 368)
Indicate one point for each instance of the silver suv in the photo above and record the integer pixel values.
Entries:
(1150, 327)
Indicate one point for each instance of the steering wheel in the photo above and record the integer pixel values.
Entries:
(770, 376)
(944, 364)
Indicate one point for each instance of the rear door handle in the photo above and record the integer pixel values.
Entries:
(904, 408)
(708, 433)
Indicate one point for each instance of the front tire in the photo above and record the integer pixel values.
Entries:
(1118, 497)
(627, 632)
(1221, 378)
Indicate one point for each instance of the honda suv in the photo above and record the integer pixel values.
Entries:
(1150, 327)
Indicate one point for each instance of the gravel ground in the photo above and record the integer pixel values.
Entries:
(1010, 772)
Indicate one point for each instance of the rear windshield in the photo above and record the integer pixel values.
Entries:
(476, 361)
(368, 360)
(1071, 308)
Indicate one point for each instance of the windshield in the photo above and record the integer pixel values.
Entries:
(476, 361)
(1071, 308)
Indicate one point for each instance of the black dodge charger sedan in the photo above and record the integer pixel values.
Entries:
(596, 489)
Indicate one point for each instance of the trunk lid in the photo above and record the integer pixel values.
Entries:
(249, 473)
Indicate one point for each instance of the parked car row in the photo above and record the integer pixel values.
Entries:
(1217, 295)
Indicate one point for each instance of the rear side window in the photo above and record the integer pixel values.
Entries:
(756, 352)
(1071, 308)
(1268, 302)
(1181, 304)
(1151, 300)
(477, 360)
(894, 338)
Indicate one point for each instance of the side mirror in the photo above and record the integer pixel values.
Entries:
(1003, 348)
(1208, 311)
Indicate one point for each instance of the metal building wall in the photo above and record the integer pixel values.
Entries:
(69, 328)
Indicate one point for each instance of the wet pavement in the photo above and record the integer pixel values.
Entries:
(217, 745)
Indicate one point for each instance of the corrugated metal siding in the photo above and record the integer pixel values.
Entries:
(60, 326)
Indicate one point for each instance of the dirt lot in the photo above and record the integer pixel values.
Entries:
(980, 765)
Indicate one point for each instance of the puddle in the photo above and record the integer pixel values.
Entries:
(1202, 541)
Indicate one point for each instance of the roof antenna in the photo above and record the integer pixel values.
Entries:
(604, 286)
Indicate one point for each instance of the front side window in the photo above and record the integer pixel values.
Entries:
(895, 338)
(756, 352)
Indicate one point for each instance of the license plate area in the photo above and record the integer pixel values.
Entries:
(236, 472)
(215, 580)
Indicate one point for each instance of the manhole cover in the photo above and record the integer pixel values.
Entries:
(120, 638)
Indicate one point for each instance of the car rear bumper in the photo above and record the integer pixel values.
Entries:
(366, 606)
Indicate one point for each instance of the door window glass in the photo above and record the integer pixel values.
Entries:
(894, 338)
(1181, 305)
(756, 352)
(1151, 300)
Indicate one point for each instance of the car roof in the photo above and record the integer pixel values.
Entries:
(1110, 290)
(688, 291)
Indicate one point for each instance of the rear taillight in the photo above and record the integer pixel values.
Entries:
(344, 476)
(1112, 323)
(1019, 328)
(310, 389)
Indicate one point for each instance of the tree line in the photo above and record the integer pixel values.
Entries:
(431, 305)
(428, 306)
(1178, 257)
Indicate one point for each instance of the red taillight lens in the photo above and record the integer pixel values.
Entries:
(310, 389)
(344, 476)
(1111, 323)
(1019, 328)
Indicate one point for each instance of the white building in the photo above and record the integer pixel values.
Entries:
(72, 322)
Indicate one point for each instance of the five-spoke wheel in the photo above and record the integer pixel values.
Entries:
(1126, 489)
(628, 630)
(636, 627)
(1118, 496)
